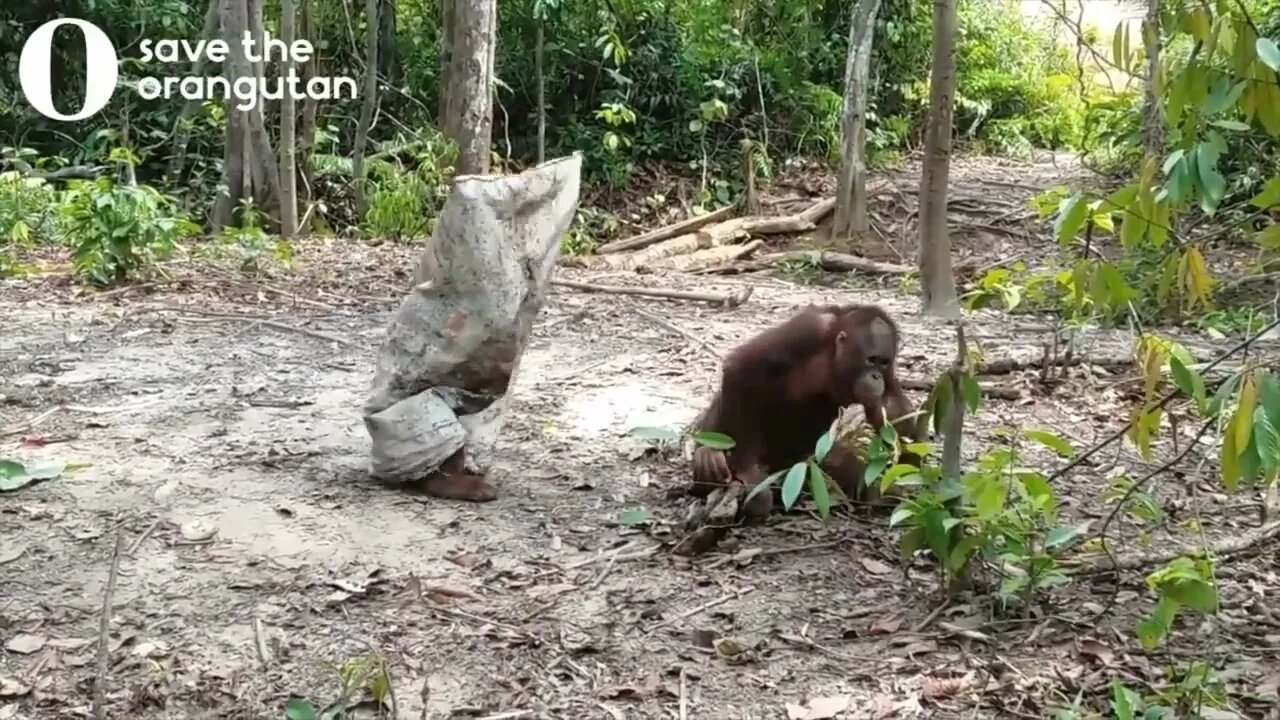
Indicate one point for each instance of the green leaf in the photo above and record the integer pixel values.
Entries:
(1229, 461)
(1235, 125)
(824, 444)
(633, 516)
(1267, 442)
(1122, 701)
(818, 488)
(762, 485)
(912, 540)
(972, 392)
(1194, 593)
(46, 470)
(714, 440)
(793, 484)
(1188, 381)
(902, 512)
(11, 468)
(1269, 397)
(1211, 181)
(1072, 214)
(1270, 195)
(1052, 441)
(299, 709)
(654, 433)
(894, 474)
(990, 499)
(1058, 536)
(1269, 53)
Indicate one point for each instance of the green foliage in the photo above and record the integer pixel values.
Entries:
(248, 245)
(118, 229)
(410, 180)
(28, 210)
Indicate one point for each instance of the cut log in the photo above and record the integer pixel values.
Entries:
(837, 262)
(669, 231)
(709, 257)
(728, 300)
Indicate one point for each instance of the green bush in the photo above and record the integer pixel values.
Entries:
(28, 210)
(118, 229)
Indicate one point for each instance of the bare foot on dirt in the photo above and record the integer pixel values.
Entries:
(465, 486)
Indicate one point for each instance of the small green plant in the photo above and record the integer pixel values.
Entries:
(28, 210)
(119, 229)
(249, 245)
(364, 682)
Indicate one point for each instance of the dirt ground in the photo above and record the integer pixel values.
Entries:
(220, 435)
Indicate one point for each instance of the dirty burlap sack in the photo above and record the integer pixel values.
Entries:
(455, 343)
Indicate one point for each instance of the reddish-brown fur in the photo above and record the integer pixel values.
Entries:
(780, 391)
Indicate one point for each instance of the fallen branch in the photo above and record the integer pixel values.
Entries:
(99, 704)
(1004, 366)
(1223, 548)
(669, 231)
(727, 300)
(823, 259)
(662, 322)
(1001, 392)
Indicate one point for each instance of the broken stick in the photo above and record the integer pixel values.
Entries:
(727, 300)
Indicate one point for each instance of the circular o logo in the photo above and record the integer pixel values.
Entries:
(101, 64)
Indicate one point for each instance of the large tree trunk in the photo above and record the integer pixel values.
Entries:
(251, 171)
(469, 107)
(288, 136)
(851, 184)
(937, 281)
(368, 105)
(388, 56)
(1152, 112)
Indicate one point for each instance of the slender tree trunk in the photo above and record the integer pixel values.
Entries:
(182, 127)
(1152, 112)
(469, 120)
(263, 156)
(388, 55)
(234, 22)
(851, 185)
(310, 107)
(542, 94)
(447, 11)
(937, 279)
(369, 104)
(288, 127)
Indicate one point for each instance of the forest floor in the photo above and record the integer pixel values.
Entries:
(214, 423)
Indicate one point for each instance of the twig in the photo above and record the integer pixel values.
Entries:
(24, 426)
(728, 300)
(928, 619)
(1224, 548)
(260, 642)
(684, 696)
(771, 552)
(702, 608)
(678, 330)
(216, 317)
(133, 547)
(615, 557)
(104, 633)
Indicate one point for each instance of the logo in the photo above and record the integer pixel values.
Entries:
(101, 65)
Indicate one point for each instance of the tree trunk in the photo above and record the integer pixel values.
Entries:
(251, 172)
(182, 127)
(937, 281)
(851, 185)
(388, 57)
(368, 105)
(310, 108)
(1152, 112)
(447, 10)
(288, 137)
(542, 94)
(469, 115)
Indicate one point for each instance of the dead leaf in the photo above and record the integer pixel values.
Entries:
(643, 691)
(465, 559)
(943, 688)
(1097, 650)
(11, 551)
(823, 708)
(449, 590)
(728, 647)
(12, 687)
(916, 648)
(69, 643)
(26, 644)
(875, 567)
(886, 624)
(150, 649)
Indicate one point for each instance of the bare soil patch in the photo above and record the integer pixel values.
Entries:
(229, 452)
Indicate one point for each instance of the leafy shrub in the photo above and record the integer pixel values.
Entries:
(118, 229)
(28, 210)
